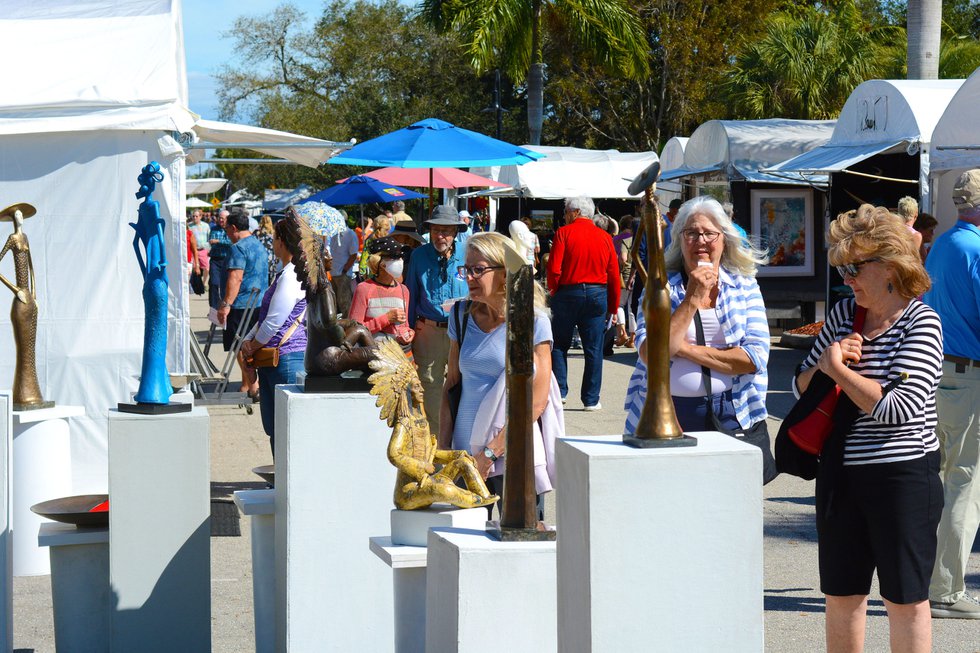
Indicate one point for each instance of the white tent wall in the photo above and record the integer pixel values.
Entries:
(672, 156)
(955, 148)
(89, 285)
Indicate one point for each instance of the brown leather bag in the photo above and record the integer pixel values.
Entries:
(269, 356)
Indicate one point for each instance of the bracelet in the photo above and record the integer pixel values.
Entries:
(224, 304)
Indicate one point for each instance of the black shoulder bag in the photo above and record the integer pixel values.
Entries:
(757, 435)
(456, 392)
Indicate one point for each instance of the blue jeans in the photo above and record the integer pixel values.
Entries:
(269, 377)
(584, 306)
(692, 412)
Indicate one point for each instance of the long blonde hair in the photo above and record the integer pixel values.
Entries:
(491, 247)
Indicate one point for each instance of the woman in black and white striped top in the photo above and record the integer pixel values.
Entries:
(887, 498)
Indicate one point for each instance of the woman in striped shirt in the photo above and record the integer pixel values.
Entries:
(878, 505)
(710, 272)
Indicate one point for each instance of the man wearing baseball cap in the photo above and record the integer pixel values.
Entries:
(954, 266)
(433, 279)
(466, 219)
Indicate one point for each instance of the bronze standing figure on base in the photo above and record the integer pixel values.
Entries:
(412, 448)
(658, 424)
(23, 310)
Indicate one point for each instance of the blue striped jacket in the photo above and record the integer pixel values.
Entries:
(743, 321)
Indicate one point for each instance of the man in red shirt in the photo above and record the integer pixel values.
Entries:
(583, 278)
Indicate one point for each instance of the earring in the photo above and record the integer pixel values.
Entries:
(890, 288)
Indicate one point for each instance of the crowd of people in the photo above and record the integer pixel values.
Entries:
(900, 495)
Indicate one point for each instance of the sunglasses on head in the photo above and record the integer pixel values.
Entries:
(854, 269)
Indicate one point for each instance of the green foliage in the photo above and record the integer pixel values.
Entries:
(360, 70)
(958, 57)
(808, 62)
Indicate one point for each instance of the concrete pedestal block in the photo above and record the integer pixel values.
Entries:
(411, 527)
(42, 471)
(645, 534)
(159, 531)
(80, 593)
(260, 505)
(6, 539)
(334, 488)
(477, 586)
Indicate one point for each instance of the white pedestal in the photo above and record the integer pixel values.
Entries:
(80, 593)
(405, 553)
(260, 505)
(485, 595)
(6, 540)
(334, 489)
(652, 540)
(160, 549)
(42, 471)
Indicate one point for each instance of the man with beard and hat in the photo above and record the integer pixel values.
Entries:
(433, 280)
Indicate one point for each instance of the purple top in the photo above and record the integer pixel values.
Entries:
(297, 341)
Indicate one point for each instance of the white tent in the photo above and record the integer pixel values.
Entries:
(880, 117)
(955, 147)
(671, 157)
(570, 172)
(96, 92)
(204, 186)
(293, 148)
(194, 203)
(740, 148)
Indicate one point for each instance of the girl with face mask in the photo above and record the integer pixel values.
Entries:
(381, 302)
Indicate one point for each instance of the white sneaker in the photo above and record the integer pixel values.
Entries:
(589, 409)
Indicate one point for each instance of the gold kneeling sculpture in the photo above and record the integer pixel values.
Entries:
(412, 448)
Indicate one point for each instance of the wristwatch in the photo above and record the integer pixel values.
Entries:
(224, 305)
(488, 452)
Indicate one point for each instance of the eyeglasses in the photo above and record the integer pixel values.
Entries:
(477, 271)
(692, 235)
(443, 233)
(854, 269)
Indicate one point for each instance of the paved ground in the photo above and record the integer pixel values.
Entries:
(794, 606)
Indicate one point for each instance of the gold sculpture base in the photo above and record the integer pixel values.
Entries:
(37, 405)
(543, 533)
(656, 443)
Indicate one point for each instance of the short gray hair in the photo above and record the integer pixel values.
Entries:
(398, 205)
(908, 208)
(584, 205)
(739, 254)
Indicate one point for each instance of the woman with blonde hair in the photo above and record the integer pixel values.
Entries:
(477, 360)
(879, 495)
(265, 234)
(382, 225)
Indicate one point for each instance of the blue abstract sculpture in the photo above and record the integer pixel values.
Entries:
(155, 385)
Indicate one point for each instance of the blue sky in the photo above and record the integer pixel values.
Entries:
(206, 50)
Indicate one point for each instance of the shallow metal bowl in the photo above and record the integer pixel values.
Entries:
(74, 510)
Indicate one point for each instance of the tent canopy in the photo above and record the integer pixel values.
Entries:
(879, 116)
(956, 139)
(291, 147)
(194, 203)
(672, 156)
(203, 186)
(571, 172)
(78, 71)
(740, 148)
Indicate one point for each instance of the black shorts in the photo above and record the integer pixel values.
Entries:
(231, 326)
(885, 517)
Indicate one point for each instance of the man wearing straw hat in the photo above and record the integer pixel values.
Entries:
(434, 281)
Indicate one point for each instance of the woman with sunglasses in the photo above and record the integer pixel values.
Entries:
(477, 359)
(711, 278)
(879, 495)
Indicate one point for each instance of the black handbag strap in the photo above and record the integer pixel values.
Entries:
(705, 372)
(461, 332)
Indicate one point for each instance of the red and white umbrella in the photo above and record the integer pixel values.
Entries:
(439, 178)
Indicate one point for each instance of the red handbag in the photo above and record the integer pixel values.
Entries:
(811, 432)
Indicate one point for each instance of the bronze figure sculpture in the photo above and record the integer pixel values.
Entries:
(333, 345)
(658, 425)
(23, 310)
(412, 448)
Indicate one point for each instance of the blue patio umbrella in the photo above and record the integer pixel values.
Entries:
(434, 143)
(362, 190)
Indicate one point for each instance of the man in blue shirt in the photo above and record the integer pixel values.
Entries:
(954, 266)
(220, 248)
(247, 271)
(433, 279)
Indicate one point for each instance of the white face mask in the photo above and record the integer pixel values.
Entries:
(395, 267)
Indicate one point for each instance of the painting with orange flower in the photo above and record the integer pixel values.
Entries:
(782, 220)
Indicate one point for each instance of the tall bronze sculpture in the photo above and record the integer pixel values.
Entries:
(333, 345)
(412, 448)
(23, 310)
(658, 425)
(519, 514)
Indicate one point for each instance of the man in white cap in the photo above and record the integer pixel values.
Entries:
(954, 266)
(466, 219)
(433, 279)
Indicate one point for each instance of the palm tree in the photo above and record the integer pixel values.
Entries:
(924, 25)
(807, 63)
(508, 34)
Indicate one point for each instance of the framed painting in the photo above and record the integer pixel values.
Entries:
(782, 220)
